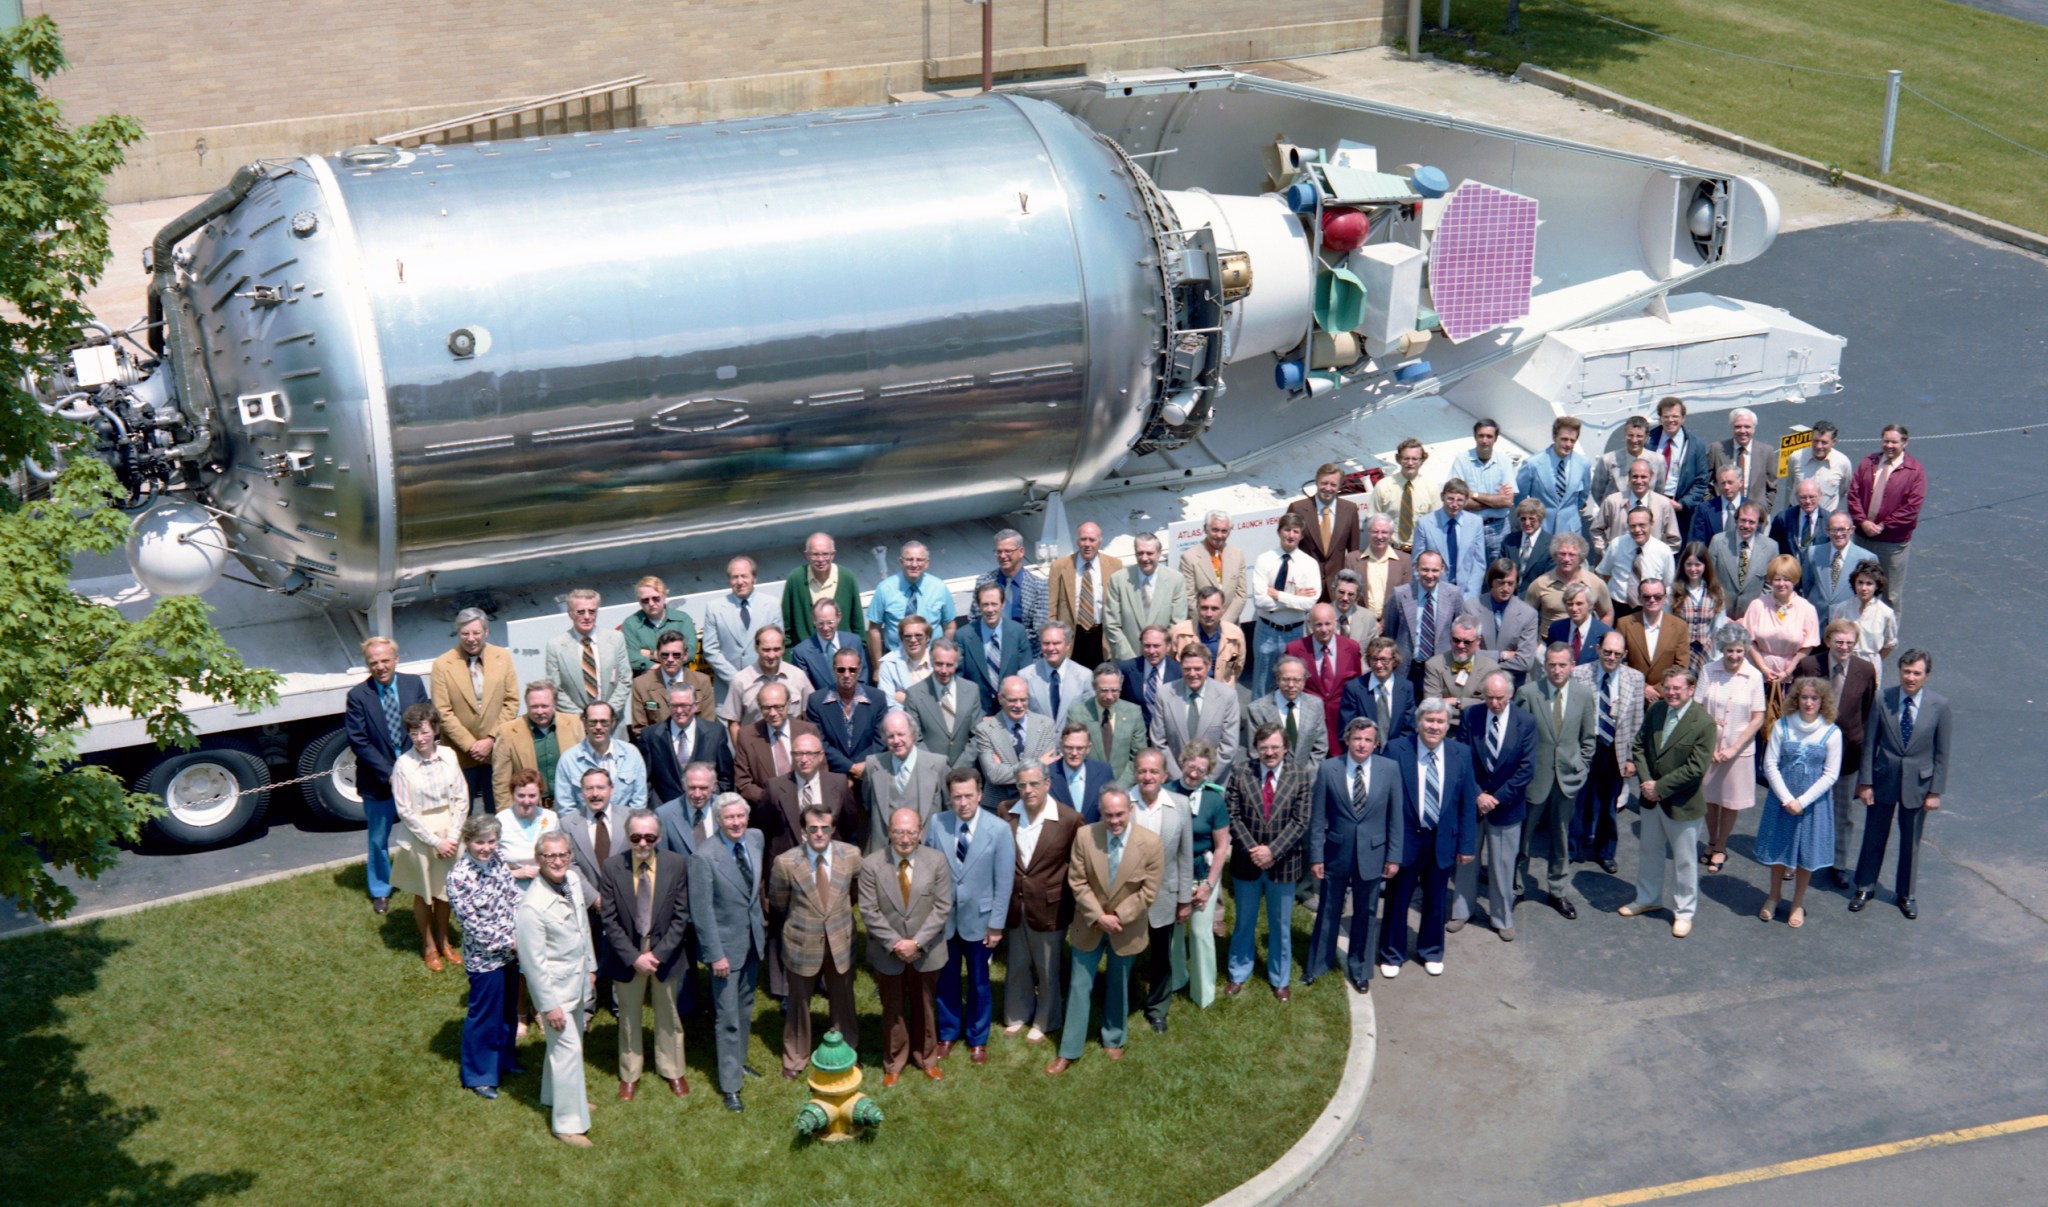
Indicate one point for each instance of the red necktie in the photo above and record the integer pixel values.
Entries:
(1266, 796)
(1575, 646)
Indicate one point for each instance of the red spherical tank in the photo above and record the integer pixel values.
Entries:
(1344, 229)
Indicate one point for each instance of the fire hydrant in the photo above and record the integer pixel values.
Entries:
(838, 1106)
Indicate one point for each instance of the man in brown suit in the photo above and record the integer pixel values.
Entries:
(476, 690)
(763, 752)
(1114, 871)
(1670, 649)
(1078, 591)
(1329, 525)
(1855, 684)
(810, 889)
(906, 897)
(650, 687)
(1216, 563)
(521, 743)
(1041, 906)
(779, 817)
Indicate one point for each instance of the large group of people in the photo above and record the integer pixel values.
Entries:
(1417, 699)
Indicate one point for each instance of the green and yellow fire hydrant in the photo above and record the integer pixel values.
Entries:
(838, 1106)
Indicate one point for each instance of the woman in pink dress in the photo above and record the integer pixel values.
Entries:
(1732, 692)
(1783, 628)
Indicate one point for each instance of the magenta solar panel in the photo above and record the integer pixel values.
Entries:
(1482, 265)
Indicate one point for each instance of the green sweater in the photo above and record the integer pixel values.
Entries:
(797, 602)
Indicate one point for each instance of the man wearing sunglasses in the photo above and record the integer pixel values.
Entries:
(645, 905)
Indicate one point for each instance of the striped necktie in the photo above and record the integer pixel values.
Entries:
(1432, 790)
(589, 670)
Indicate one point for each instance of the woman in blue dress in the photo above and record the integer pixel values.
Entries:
(1797, 829)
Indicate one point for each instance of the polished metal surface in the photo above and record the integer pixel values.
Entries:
(506, 362)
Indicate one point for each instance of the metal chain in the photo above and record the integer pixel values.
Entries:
(239, 792)
(1990, 431)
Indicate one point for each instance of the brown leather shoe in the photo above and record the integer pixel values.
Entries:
(573, 1139)
(452, 955)
(945, 1048)
(680, 1086)
(792, 1074)
(1233, 988)
(1058, 1066)
(978, 1054)
(889, 1079)
(1283, 994)
(1113, 1053)
(934, 1073)
(626, 1089)
(433, 960)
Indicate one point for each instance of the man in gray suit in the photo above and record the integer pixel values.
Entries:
(1014, 736)
(1507, 624)
(732, 934)
(1825, 569)
(1565, 737)
(1141, 595)
(1904, 772)
(944, 708)
(982, 856)
(1617, 691)
(1299, 715)
(1419, 617)
(588, 664)
(596, 833)
(559, 964)
(1168, 815)
(730, 622)
(906, 899)
(1196, 707)
(1056, 681)
(1740, 556)
(688, 821)
(903, 775)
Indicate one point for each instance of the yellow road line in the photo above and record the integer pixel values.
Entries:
(1850, 1156)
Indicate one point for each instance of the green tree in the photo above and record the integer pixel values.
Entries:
(62, 654)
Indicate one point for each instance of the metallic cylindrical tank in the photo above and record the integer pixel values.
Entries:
(474, 365)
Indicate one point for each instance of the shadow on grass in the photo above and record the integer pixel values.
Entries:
(1547, 35)
(65, 1139)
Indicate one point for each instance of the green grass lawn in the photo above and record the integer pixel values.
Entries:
(1992, 68)
(281, 1045)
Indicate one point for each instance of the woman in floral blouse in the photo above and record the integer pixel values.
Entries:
(485, 896)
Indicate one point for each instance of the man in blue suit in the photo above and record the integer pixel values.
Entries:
(982, 855)
(1440, 829)
(1146, 676)
(1077, 780)
(1502, 737)
(1578, 628)
(1717, 514)
(1904, 773)
(1825, 569)
(371, 719)
(1353, 832)
(1380, 695)
(1803, 525)
(992, 647)
(1561, 478)
(848, 717)
(1680, 459)
(813, 655)
(1458, 535)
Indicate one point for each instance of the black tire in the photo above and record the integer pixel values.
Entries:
(332, 796)
(191, 784)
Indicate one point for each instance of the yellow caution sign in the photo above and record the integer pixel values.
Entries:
(1791, 442)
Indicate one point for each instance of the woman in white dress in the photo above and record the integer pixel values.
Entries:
(432, 800)
(1877, 626)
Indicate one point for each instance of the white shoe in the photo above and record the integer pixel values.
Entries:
(1013, 1028)
(1433, 967)
(1390, 971)
(1035, 1036)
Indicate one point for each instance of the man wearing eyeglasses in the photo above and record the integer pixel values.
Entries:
(588, 664)
(670, 671)
(645, 904)
(1456, 675)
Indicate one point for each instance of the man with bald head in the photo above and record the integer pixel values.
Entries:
(903, 775)
(1115, 872)
(762, 753)
(1079, 594)
(1639, 490)
(1015, 736)
(906, 899)
(819, 579)
(1330, 660)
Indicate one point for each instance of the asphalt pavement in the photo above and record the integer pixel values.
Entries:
(1601, 1056)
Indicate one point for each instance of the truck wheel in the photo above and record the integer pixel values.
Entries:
(209, 796)
(332, 796)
